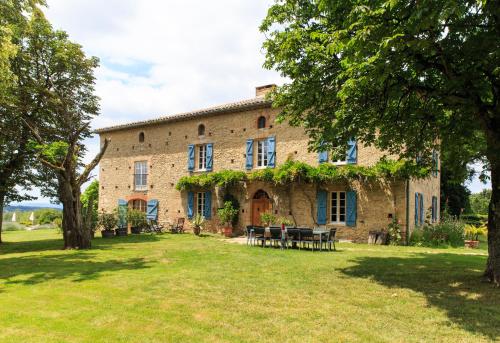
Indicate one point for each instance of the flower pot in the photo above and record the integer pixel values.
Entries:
(135, 230)
(122, 231)
(197, 230)
(472, 244)
(228, 231)
(107, 233)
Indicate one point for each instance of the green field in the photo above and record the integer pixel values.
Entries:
(182, 288)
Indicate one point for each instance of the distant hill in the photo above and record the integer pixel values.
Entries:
(29, 208)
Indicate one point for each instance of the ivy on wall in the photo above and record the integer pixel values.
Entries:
(300, 172)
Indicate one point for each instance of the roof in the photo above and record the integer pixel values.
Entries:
(243, 105)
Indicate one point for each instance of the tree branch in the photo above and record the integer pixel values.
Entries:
(84, 176)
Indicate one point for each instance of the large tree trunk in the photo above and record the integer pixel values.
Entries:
(76, 235)
(492, 132)
(493, 266)
(2, 201)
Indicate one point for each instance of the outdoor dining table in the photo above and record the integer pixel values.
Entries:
(316, 231)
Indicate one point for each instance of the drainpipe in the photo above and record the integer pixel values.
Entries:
(407, 211)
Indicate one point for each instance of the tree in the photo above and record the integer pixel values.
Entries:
(479, 202)
(65, 74)
(400, 75)
(90, 201)
(16, 158)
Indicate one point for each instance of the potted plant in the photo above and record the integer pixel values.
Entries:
(197, 223)
(137, 220)
(226, 216)
(107, 222)
(472, 234)
(267, 218)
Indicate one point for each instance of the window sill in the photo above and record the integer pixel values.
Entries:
(336, 224)
(261, 167)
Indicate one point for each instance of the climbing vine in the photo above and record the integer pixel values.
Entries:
(300, 172)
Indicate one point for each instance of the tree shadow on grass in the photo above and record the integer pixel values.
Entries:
(58, 244)
(450, 282)
(77, 267)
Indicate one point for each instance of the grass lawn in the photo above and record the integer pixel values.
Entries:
(181, 288)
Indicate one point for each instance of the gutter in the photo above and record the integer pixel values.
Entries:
(407, 211)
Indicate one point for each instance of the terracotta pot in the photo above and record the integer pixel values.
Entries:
(472, 244)
(228, 231)
(197, 230)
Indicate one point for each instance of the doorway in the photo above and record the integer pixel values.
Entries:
(260, 204)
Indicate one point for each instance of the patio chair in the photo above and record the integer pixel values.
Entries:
(260, 235)
(155, 227)
(179, 227)
(294, 237)
(331, 240)
(250, 232)
(306, 237)
(275, 235)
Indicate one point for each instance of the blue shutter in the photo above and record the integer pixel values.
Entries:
(210, 154)
(323, 157)
(416, 209)
(122, 212)
(249, 161)
(352, 152)
(434, 209)
(191, 157)
(190, 209)
(208, 205)
(321, 201)
(352, 207)
(271, 151)
(421, 208)
(152, 211)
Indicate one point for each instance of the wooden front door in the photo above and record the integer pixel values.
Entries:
(259, 206)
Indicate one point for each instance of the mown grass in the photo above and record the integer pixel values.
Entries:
(181, 288)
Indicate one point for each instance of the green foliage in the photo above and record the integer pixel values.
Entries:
(90, 201)
(473, 232)
(136, 218)
(107, 221)
(197, 223)
(58, 223)
(227, 213)
(284, 220)
(449, 232)
(394, 232)
(236, 206)
(480, 202)
(267, 218)
(474, 219)
(47, 216)
(295, 171)
(12, 227)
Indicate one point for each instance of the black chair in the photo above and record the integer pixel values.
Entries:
(260, 235)
(331, 240)
(275, 235)
(306, 237)
(293, 237)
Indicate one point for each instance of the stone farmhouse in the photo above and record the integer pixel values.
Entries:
(145, 160)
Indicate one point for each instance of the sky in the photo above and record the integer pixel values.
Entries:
(162, 57)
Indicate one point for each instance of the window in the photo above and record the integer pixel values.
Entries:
(261, 122)
(262, 148)
(202, 157)
(338, 207)
(141, 137)
(139, 205)
(141, 176)
(200, 203)
(339, 158)
(201, 130)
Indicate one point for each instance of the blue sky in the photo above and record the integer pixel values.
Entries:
(162, 57)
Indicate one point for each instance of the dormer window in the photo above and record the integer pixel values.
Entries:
(201, 130)
(261, 122)
(141, 137)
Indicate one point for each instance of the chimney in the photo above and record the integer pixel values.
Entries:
(263, 90)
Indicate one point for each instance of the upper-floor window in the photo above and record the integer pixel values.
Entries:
(261, 122)
(138, 204)
(337, 207)
(141, 176)
(141, 137)
(262, 149)
(337, 157)
(201, 130)
(202, 157)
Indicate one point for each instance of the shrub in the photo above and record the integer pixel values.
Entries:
(394, 232)
(473, 232)
(448, 232)
(107, 221)
(227, 213)
(136, 218)
(267, 218)
(47, 216)
(12, 227)
(197, 222)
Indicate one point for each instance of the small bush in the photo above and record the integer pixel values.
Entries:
(449, 232)
(394, 232)
(12, 227)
